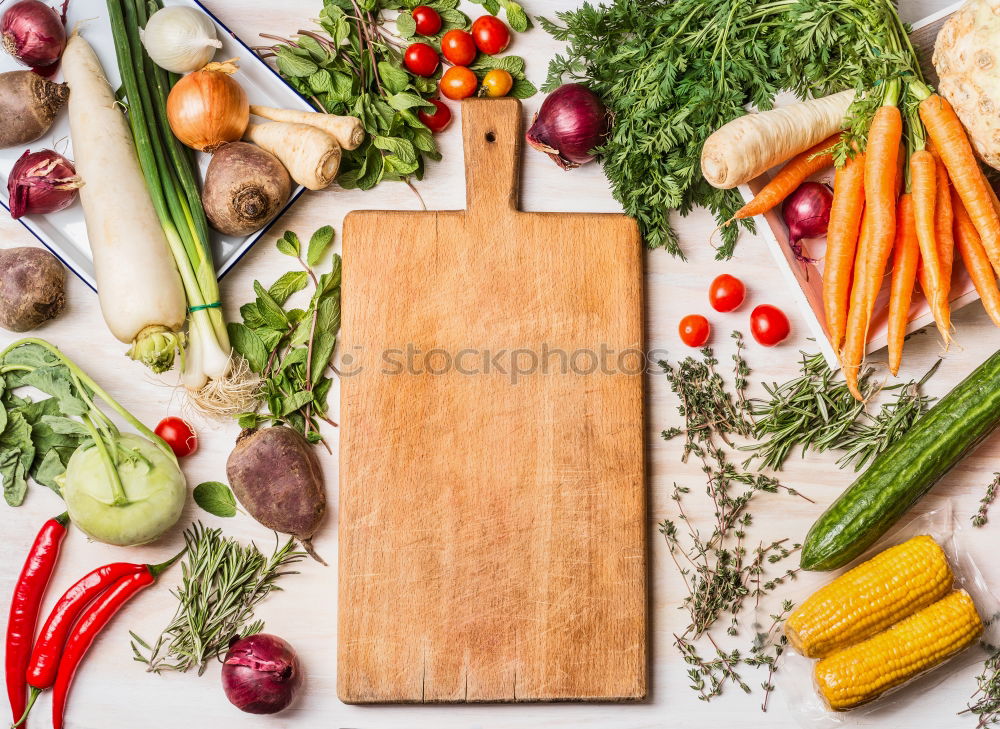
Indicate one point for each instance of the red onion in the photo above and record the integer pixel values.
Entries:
(41, 182)
(34, 34)
(260, 674)
(807, 215)
(570, 124)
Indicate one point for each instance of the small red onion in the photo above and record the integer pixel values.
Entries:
(570, 124)
(807, 215)
(41, 182)
(260, 674)
(34, 34)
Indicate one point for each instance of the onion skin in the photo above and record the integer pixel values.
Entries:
(261, 674)
(806, 212)
(34, 34)
(40, 183)
(570, 125)
(208, 108)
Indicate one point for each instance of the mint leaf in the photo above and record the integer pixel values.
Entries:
(287, 285)
(289, 244)
(215, 498)
(318, 244)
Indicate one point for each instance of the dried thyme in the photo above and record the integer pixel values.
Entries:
(980, 517)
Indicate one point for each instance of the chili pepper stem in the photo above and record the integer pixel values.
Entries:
(158, 569)
(33, 695)
(63, 518)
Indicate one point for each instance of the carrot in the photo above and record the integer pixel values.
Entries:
(881, 181)
(944, 219)
(856, 336)
(841, 244)
(977, 263)
(953, 145)
(793, 174)
(904, 269)
(923, 175)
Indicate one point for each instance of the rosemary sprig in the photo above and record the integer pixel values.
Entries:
(980, 517)
(222, 582)
(720, 571)
(816, 412)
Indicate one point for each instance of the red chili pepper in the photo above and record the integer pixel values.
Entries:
(91, 623)
(24, 608)
(44, 661)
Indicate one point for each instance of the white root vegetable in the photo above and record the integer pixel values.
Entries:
(311, 156)
(967, 61)
(750, 145)
(140, 291)
(347, 130)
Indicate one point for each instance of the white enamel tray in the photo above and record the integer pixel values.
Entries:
(65, 233)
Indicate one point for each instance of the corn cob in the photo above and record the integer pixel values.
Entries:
(866, 670)
(871, 597)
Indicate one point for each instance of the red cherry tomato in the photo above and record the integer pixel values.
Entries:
(427, 19)
(458, 47)
(490, 34)
(458, 82)
(694, 330)
(769, 325)
(726, 293)
(421, 59)
(439, 119)
(179, 435)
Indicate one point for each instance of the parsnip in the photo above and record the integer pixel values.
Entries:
(138, 285)
(750, 145)
(347, 130)
(311, 156)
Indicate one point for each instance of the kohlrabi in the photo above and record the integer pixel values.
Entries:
(120, 488)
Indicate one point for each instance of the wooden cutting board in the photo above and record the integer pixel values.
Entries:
(492, 505)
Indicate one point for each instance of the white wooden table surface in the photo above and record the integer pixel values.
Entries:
(112, 692)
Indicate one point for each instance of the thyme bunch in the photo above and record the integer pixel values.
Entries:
(222, 582)
(980, 517)
(985, 702)
(722, 571)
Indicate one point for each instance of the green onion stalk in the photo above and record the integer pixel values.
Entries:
(168, 167)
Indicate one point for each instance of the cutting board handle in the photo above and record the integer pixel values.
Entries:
(491, 131)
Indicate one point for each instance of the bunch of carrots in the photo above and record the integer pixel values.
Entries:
(906, 201)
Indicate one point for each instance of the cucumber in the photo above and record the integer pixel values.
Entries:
(906, 470)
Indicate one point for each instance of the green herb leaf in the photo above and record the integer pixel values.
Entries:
(406, 26)
(318, 244)
(248, 345)
(406, 100)
(523, 89)
(292, 65)
(516, 16)
(288, 284)
(289, 244)
(215, 498)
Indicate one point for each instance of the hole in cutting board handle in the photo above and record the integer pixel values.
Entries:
(491, 137)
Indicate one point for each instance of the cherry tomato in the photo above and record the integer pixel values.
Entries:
(427, 19)
(179, 435)
(490, 34)
(726, 293)
(498, 82)
(458, 82)
(694, 330)
(439, 119)
(421, 59)
(458, 47)
(769, 325)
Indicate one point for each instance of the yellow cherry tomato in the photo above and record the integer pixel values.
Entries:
(498, 82)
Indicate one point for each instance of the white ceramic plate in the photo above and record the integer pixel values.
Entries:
(65, 233)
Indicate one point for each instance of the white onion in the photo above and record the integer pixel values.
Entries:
(180, 39)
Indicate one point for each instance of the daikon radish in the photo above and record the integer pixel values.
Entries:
(311, 156)
(750, 145)
(140, 291)
(347, 130)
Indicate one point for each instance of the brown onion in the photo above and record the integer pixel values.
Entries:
(41, 182)
(208, 108)
(34, 34)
